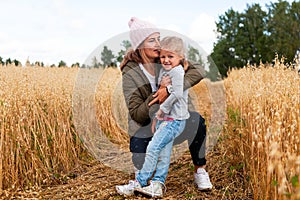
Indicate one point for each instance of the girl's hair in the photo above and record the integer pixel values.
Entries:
(175, 45)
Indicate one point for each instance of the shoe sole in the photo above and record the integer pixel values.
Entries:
(139, 191)
(121, 193)
(204, 189)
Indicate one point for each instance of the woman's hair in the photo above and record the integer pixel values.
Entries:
(131, 55)
(175, 45)
(138, 56)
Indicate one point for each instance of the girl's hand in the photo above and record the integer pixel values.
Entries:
(160, 115)
(165, 81)
(154, 121)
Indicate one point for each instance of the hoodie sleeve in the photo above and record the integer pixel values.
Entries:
(177, 75)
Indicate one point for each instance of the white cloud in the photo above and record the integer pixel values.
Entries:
(77, 23)
(202, 30)
(151, 19)
(173, 27)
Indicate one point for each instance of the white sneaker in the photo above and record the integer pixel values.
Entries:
(128, 189)
(155, 189)
(202, 179)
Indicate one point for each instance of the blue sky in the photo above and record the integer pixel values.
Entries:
(69, 30)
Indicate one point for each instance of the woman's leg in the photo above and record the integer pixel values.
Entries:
(195, 133)
(138, 145)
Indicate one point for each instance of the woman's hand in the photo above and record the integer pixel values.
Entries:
(162, 94)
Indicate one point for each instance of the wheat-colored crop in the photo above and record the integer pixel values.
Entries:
(264, 109)
(38, 140)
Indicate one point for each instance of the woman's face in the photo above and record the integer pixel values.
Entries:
(151, 46)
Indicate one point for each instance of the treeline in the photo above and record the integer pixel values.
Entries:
(109, 59)
(256, 35)
(17, 63)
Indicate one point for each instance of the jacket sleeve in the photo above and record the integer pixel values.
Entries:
(137, 104)
(193, 75)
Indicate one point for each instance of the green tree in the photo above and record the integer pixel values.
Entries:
(16, 62)
(284, 28)
(256, 35)
(62, 64)
(223, 53)
(250, 41)
(75, 65)
(37, 63)
(126, 45)
(194, 55)
(221, 57)
(107, 57)
(8, 61)
(1, 61)
(95, 62)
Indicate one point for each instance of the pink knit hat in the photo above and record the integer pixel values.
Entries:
(139, 31)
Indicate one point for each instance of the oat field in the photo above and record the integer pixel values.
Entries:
(57, 124)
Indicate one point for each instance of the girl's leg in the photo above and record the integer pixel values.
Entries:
(161, 138)
(164, 159)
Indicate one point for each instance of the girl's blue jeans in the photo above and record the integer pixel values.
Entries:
(159, 151)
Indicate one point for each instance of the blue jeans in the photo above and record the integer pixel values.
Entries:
(159, 151)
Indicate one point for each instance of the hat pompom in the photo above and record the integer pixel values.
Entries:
(131, 21)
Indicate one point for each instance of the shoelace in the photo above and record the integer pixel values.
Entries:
(152, 188)
(130, 185)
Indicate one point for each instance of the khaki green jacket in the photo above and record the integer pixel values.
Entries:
(138, 92)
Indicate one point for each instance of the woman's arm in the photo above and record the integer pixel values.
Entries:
(193, 75)
(137, 96)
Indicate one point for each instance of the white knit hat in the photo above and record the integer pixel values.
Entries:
(139, 31)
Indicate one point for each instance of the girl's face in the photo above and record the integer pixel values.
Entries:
(169, 59)
(151, 46)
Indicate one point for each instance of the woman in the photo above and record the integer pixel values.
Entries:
(139, 69)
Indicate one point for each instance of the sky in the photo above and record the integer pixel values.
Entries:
(70, 30)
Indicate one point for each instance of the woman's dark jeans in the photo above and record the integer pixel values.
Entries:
(194, 132)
